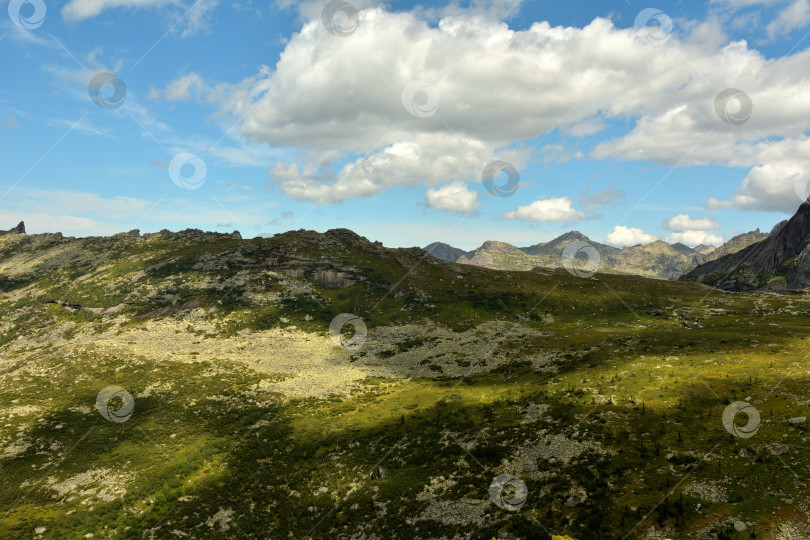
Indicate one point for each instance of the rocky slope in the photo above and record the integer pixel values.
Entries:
(779, 261)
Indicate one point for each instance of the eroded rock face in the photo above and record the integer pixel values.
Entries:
(332, 279)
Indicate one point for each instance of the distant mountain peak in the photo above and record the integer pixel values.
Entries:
(496, 244)
(346, 234)
(572, 235)
(704, 249)
(446, 252)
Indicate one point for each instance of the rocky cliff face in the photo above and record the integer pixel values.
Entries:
(779, 261)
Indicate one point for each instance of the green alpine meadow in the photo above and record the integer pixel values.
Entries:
(189, 385)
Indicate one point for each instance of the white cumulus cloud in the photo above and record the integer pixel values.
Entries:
(496, 88)
(519, 85)
(694, 238)
(453, 197)
(430, 159)
(555, 209)
(628, 236)
(772, 186)
(683, 222)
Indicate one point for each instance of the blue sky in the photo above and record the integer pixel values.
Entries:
(385, 125)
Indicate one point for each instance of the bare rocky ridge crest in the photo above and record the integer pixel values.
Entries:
(656, 259)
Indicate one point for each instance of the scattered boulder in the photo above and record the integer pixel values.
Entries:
(778, 449)
(64, 304)
(798, 420)
(578, 496)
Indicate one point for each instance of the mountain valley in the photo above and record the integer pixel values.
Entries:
(323, 385)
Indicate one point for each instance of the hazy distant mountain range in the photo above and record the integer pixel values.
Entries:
(657, 259)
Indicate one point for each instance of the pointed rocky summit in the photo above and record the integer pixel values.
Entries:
(19, 229)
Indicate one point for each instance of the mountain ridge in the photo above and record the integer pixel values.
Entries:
(778, 261)
(657, 259)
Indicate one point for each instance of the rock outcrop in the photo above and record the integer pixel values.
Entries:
(187, 234)
(19, 229)
(333, 280)
(354, 239)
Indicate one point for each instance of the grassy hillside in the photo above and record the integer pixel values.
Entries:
(604, 395)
